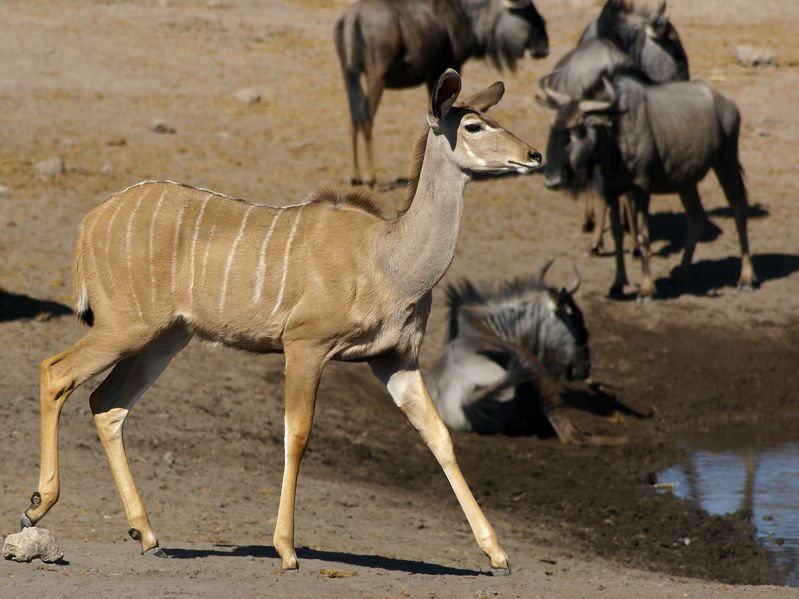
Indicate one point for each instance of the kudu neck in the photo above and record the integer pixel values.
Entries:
(423, 241)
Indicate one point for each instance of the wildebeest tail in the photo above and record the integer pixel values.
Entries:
(349, 41)
(82, 308)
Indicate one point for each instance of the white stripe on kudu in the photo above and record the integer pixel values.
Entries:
(230, 258)
(260, 272)
(128, 234)
(175, 238)
(286, 262)
(152, 247)
(194, 245)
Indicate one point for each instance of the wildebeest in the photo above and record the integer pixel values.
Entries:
(404, 43)
(623, 37)
(506, 348)
(652, 138)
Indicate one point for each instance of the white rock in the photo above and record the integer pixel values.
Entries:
(49, 169)
(248, 95)
(161, 126)
(30, 543)
(749, 56)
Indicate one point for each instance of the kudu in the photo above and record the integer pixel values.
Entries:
(160, 263)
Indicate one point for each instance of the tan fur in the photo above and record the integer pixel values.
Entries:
(161, 262)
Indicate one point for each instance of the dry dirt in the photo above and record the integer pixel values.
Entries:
(375, 517)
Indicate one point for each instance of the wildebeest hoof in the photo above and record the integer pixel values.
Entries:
(155, 552)
(616, 292)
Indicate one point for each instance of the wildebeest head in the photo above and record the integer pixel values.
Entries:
(573, 138)
(543, 319)
(518, 27)
(563, 335)
(647, 36)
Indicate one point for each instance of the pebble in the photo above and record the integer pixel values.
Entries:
(50, 168)
(248, 95)
(750, 56)
(162, 126)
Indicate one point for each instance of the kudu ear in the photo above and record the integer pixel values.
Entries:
(444, 95)
(482, 101)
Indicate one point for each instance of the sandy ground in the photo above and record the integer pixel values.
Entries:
(83, 81)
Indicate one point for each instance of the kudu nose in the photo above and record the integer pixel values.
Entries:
(535, 156)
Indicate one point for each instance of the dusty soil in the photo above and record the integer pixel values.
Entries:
(375, 518)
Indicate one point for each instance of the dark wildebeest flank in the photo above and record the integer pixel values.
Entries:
(652, 138)
(623, 37)
(507, 346)
(403, 43)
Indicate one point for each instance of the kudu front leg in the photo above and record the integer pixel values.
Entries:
(303, 371)
(409, 393)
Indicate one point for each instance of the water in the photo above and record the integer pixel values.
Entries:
(724, 476)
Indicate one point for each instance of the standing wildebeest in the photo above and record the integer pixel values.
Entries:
(403, 43)
(328, 279)
(652, 138)
(506, 349)
(622, 38)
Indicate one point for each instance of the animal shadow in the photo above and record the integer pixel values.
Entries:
(307, 554)
(14, 306)
(706, 277)
(595, 399)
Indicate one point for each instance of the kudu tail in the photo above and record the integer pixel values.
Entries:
(82, 308)
(349, 41)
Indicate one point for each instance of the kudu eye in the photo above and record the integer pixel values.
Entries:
(473, 127)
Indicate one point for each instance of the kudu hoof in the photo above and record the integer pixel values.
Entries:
(155, 552)
(25, 522)
(500, 571)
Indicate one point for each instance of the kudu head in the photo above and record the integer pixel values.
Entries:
(477, 143)
(572, 136)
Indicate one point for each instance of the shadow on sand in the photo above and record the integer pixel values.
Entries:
(14, 306)
(305, 553)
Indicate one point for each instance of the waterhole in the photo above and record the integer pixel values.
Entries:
(727, 474)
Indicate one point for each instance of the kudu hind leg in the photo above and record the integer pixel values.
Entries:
(111, 402)
(303, 371)
(59, 376)
(409, 392)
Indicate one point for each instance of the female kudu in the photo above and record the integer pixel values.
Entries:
(328, 279)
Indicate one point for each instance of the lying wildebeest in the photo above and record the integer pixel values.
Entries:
(506, 349)
(651, 138)
(623, 37)
(404, 43)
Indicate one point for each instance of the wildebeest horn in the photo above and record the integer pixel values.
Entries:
(544, 270)
(516, 4)
(587, 106)
(575, 284)
(658, 11)
(556, 97)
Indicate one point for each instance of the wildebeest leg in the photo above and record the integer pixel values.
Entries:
(638, 199)
(404, 382)
(617, 289)
(696, 220)
(729, 176)
(595, 212)
(374, 91)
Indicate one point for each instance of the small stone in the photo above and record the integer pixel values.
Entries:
(5, 191)
(161, 126)
(107, 169)
(30, 543)
(750, 56)
(248, 95)
(50, 169)
(169, 458)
